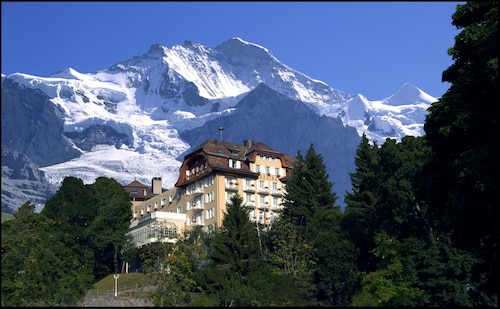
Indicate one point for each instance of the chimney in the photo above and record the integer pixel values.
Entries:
(156, 184)
(248, 143)
(220, 130)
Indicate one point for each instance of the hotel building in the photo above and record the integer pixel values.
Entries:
(208, 177)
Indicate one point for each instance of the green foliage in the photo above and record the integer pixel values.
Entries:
(462, 131)
(235, 254)
(175, 268)
(360, 213)
(441, 270)
(170, 271)
(38, 268)
(25, 210)
(308, 189)
(290, 251)
(392, 285)
(94, 217)
(50, 258)
(236, 245)
(307, 241)
(335, 272)
(110, 223)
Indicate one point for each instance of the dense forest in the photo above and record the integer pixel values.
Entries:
(419, 227)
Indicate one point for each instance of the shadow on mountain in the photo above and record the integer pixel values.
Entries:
(288, 126)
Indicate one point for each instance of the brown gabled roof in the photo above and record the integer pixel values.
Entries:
(221, 149)
(216, 154)
(136, 184)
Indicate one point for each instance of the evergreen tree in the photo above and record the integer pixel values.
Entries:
(25, 210)
(308, 190)
(360, 212)
(462, 130)
(335, 273)
(235, 254)
(307, 241)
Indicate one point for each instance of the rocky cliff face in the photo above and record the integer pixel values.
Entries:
(22, 181)
(288, 126)
(32, 125)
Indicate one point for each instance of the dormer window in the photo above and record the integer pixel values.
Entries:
(234, 163)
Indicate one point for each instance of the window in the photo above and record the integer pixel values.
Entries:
(249, 198)
(231, 181)
(234, 163)
(257, 168)
(179, 209)
(268, 170)
(277, 171)
(262, 184)
(209, 213)
(276, 201)
(262, 200)
(275, 186)
(209, 197)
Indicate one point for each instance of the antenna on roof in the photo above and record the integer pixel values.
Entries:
(220, 130)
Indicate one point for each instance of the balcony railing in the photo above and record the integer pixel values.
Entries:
(250, 204)
(198, 223)
(232, 186)
(249, 188)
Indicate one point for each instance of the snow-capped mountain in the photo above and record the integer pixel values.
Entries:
(136, 119)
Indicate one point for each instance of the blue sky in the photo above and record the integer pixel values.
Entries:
(371, 48)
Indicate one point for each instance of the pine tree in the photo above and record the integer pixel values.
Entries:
(308, 242)
(359, 217)
(235, 254)
(308, 190)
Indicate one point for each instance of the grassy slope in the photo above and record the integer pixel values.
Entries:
(6, 216)
(130, 279)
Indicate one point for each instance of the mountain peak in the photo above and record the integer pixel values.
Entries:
(409, 94)
(237, 45)
(68, 73)
(156, 50)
